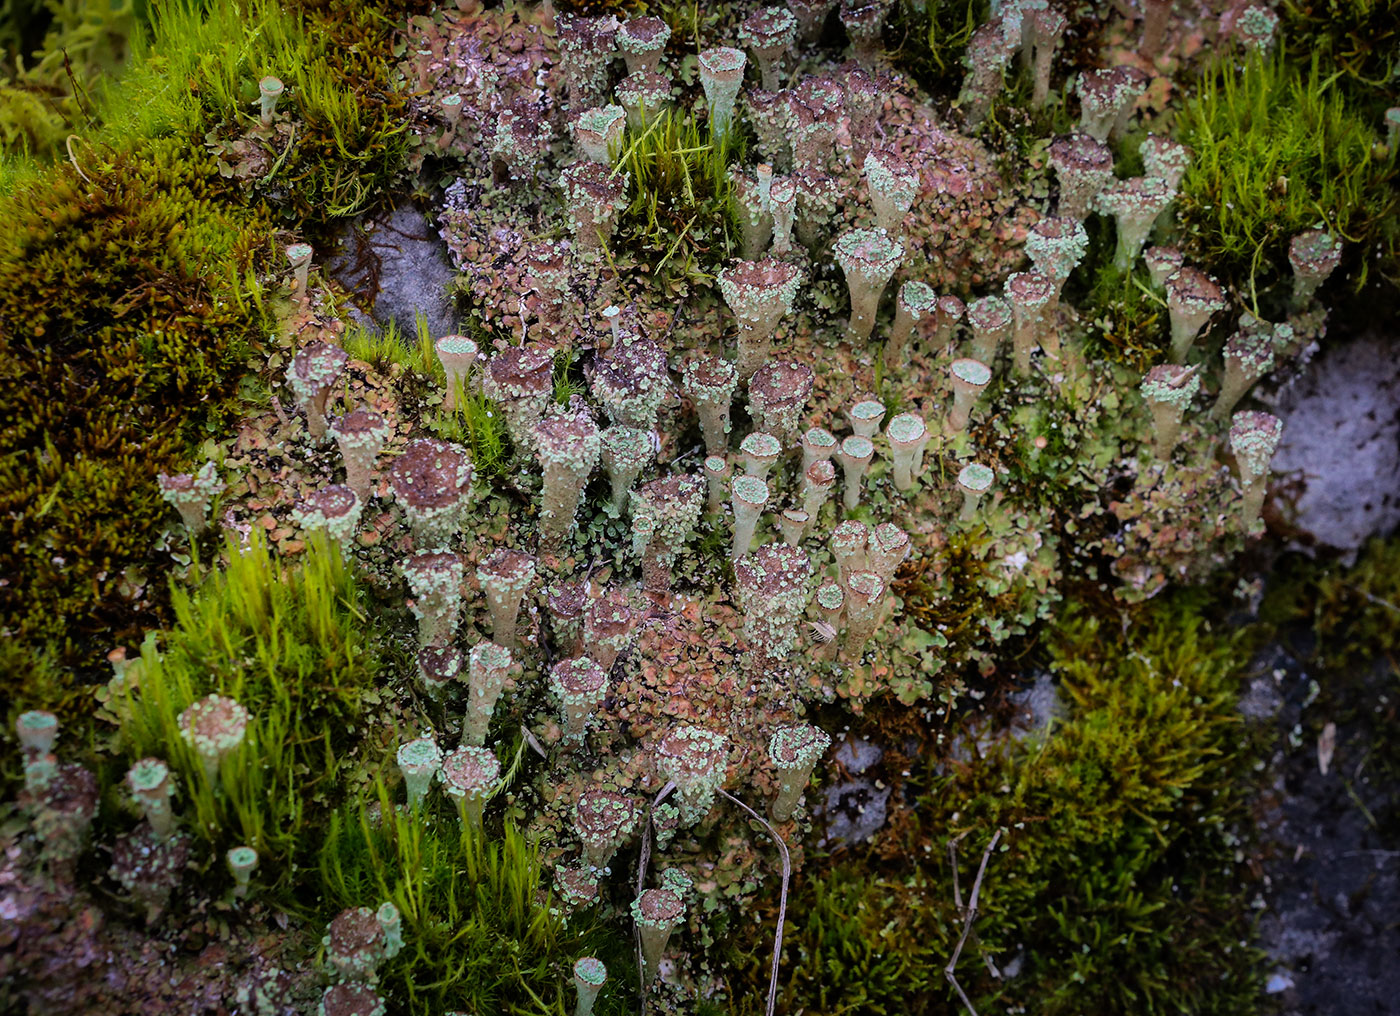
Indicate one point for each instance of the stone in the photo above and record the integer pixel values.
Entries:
(415, 271)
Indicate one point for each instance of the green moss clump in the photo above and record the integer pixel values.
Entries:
(1116, 888)
(293, 646)
(1278, 150)
(122, 338)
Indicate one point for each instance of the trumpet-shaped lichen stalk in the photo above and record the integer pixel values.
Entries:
(908, 437)
(568, 447)
(1191, 299)
(755, 222)
(717, 473)
(849, 544)
(580, 685)
(656, 913)
(782, 203)
(768, 113)
(1029, 295)
(709, 382)
(664, 514)
(431, 480)
(604, 820)
(520, 140)
(598, 133)
(438, 667)
(974, 479)
(1055, 246)
(625, 452)
(794, 752)
(721, 76)
(608, 625)
(749, 496)
(643, 41)
(575, 887)
(760, 293)
(817, 196)
(242, 862)
(589, 977)
(148, 868)
(864, 417)
(37, 730)
(1256, 27)
(1165, 158)
(1254, 437)
(778, 393)
(818, 479)
(631, 381)
(488, 669)
(312, 376)
(214, 727)
(360, 434)
(1106, 98)
(521, 381)
(947, 314)
(888, 547)
(1162, 263)
(864, 98)
(868, 257)
(863, 23)
(419, 760)
(270, 89)
(351, 999)
(594, 197)
(191, 494)
(1134, 204)
(333, 510)
(771, 589)
(830, 602)
(792, 523)
(149, 783)
(817, 444)
(1047, 29)
(1249, 355)
(360, 939)
(645, 95)
(970, 378)
(865, 596)
(1083, 166)
(986, 58)
(469, 776)
(299, 260)
(504, 576)
(456, 353)
(564, 602)
(811, 17)
(435, 579)
(814, 116)
(991, 321)
(892, 183)
(770, 33)
(855, 455)
(1168, 390)
(760, 453)
(1155, 17)
(587, 45)
(1314, 255)
(916, 301)
(696, 760)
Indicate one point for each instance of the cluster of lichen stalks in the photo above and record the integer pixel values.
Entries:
(785, 468)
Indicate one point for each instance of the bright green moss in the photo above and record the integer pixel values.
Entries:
(122, 336)
(1116, 885)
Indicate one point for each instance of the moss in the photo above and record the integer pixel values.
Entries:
(927, 41)
(1117, 883)
(1277, 151)
(125, 331)
(478, 933)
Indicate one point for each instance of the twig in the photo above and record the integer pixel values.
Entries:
(782, 900)
(968, 915)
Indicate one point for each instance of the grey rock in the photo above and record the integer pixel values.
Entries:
(858, 754)
(414, 267)
(1341, 434)
(854, 811)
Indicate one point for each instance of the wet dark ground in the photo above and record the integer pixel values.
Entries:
(1330, 892)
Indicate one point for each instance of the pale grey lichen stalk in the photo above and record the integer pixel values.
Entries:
(608, 626)
(456, 353)
(1254, 437)
(603, 821)
(656, 913)
(794, 752)
(568, 447)
(270, 89)
(864, 416)
(721, 75)
(868, 257)
(1029, 294)
(865, 597)
(760, 453)
(214, 727)
(974, 479)
(817, 444)
(916, 301)
(1134, 204)
(760, 293)
(469, 775)
(642, 42)
(435, 579)
(580, 685)
(770, 33)
(625, 452)
(717, 472)
(749, 496)
(242, 862)
(1249, 355)
(438, 667)
(778, 393)
(908, 437)
(855, 455)
(970, 378)
(299, 259)
(1055, 246)
(361, 434)
(589, 977)
(709, 382)
(818, 479)
(150, 786)
(664, 514)
(892, 183)
(191, 494)
(1192, 297)
(991, 321)
(696, 760)
(598, 133)
(1083, 167)
(431, 480)
(504, 576)
(418, 761)
(488, 669)
(333, 510)
(593, 198)
(1168, 390)
(1314, 255)
(771, 589)
(312, 375)
(521, 381)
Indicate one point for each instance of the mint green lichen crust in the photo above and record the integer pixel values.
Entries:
(418, 762)
(298, 254)
(37, 730)
(794, 751)
(591, 971)
(388, 917)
